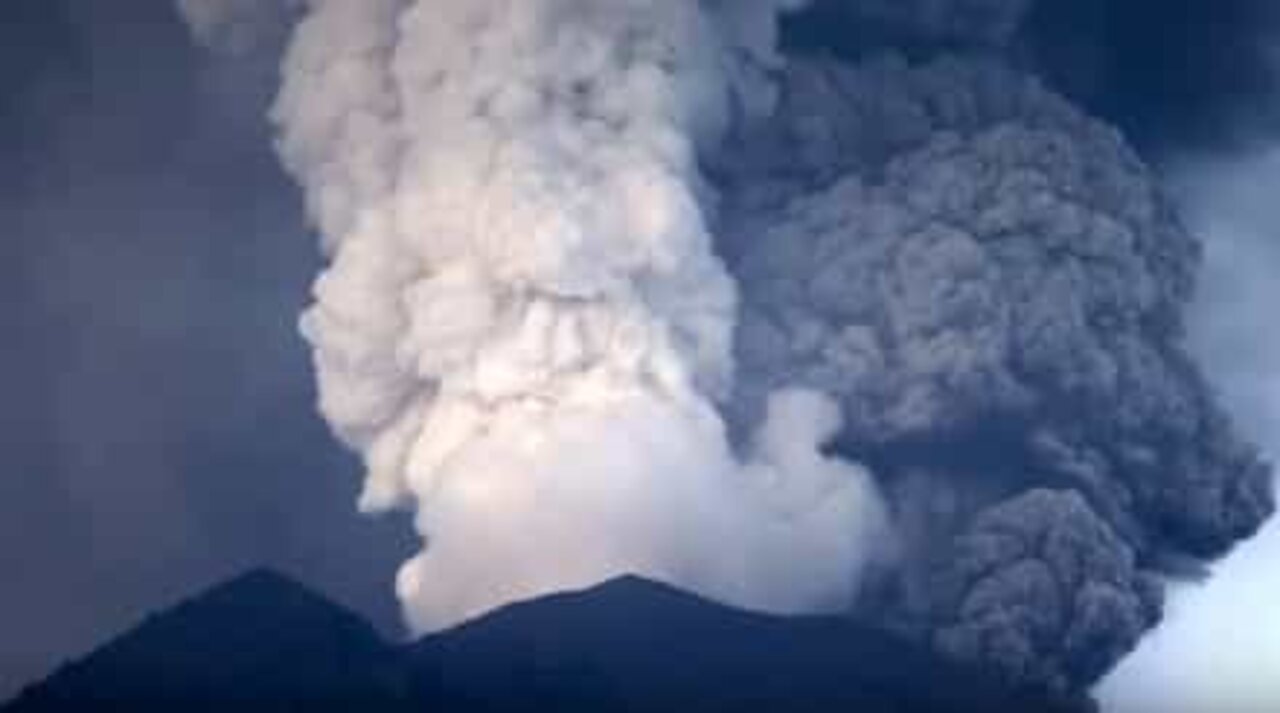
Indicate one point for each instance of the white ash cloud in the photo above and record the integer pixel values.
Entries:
(524, 328)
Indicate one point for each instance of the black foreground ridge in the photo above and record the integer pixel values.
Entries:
(264, 642)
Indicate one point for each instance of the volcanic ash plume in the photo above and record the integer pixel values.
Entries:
(993, 285)
(527, 333)
(524, 327)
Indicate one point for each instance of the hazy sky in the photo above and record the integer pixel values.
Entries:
(158, 420)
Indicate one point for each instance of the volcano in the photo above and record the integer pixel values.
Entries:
(265, 642)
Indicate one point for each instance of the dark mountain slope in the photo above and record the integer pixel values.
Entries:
(262, 642)
(259, 641)
(631, 644)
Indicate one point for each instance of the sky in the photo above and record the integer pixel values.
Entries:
(158, 412)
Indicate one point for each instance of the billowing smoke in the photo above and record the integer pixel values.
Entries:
(611, 282)
(992, 284)
(524, 328)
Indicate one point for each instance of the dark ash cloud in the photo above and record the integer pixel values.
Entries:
(995, 286)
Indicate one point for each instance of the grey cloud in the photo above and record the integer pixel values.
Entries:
(1042, 586)
(994, 285)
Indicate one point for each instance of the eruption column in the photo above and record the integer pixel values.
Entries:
(524, 328)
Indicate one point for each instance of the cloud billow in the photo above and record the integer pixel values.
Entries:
(634, 287)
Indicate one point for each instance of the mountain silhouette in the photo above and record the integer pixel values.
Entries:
(260, 641)
(265, 643)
